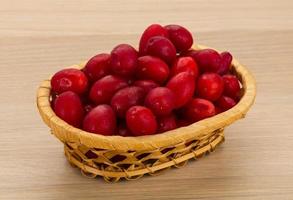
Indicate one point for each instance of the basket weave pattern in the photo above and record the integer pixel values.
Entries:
(116, 157)
(131, 164)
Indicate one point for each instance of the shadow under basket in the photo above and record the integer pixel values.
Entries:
(116, 157)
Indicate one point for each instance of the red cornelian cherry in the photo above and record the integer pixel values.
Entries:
(103, 90)
(141, 121)
(180, 37)
(125, 98)
(97, 67)
(161, 101)
(146, 85)
(183, 87)
(226, 59)
(151, 31)
(199, 109)
(162, 48)
(210, 86)
(69, 80)
(208, 60)
(167, 123)
(68, 107)
(124, 60)
(150, 67)
(100, 120)
(225, 103)
(185, 64)
(231, 86)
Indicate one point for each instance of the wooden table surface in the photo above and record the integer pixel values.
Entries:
(40, 37)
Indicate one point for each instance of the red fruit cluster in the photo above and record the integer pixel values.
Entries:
(162, 86)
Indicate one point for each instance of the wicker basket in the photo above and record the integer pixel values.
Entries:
(116, 157)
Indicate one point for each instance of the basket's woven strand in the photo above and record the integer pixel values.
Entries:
(90, 171)
(116, 157)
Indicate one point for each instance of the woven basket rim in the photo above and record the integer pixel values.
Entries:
(68, 133)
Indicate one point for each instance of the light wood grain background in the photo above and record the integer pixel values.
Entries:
(42, 36)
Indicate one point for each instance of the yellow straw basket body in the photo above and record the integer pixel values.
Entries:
(116, 157)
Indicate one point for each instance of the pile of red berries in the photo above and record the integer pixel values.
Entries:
(164, 85)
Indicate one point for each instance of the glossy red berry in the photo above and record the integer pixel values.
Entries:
(141, 121)
(208, 60)
(180, 37)
(231, 86)
(226, 59)
(199, 109)
(146, 85)
(160, 100)
(183, 86)
(167, 123)
(97, 67)
(153, 68)
(125, 98)
(68, 107)
(225, 103)
(100, 120)
(103, 90)
(151, 31)
(162, 48)
(124, 60)
(185, 64)
(210, 86)
(69, 80)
